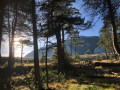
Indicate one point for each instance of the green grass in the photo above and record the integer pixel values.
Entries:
(79, 77)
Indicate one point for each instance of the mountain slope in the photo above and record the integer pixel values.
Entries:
(90, 45)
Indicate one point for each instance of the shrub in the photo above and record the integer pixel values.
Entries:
(42, 59)
(87, 52)
(68, 57)
(111, 56)
(77, 57)
(52, 76)
(98, 58)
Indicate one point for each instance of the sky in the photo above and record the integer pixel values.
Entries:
(94, 31)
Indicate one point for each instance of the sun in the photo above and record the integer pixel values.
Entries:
(17, 47)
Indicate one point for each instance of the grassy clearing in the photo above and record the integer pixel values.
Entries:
(82, 76)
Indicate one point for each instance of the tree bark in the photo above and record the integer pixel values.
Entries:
(106, 54)
(0, 41)
(1, 24)
(71, 47)
(36, 59)
(114, 30)
(21, 52)
(58, 37)
(63, 50)
(11, 52)
(46, 62)
(75, 49)
(9, 32)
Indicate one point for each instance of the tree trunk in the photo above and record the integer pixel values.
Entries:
(1, 25)
(36, 59)
(106, 54)
(114, 30)
(46, 62)
(0, 42)
(63, 50)
(75, 49)
(10, 46)
(21, 52)
(115, 55)
(71, 47)
(11, 52)
(60, 63)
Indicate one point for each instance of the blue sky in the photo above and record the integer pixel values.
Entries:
(94, 31)
(97, 23)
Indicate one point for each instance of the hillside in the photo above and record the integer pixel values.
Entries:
(90, 45)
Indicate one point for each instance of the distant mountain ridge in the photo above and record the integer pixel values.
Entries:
(90, 44)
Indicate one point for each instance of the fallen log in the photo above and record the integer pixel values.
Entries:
(106, 64)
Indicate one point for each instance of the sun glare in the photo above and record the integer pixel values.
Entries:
(17, 47)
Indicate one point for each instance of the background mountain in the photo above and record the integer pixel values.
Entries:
(90, 44)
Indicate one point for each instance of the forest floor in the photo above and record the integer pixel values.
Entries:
(81, 76)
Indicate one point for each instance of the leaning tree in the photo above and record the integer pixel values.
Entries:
(106, 10)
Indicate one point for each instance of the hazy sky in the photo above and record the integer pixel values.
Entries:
(94, 31)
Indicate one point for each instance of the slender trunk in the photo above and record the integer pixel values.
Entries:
(109, 52)
(46, 62)
(112, 51)
(71, 47)
(12, 45)
(9, 31)
(0, 43)
(58, 37)
(10, 56)
(63, 50)
(115, 55)
(106, 54)
(21, 52)
(11, 52)
(36, 59)
(75, 49)
(1, 27)
(114, 30)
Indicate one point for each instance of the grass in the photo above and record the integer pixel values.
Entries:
(72, 84)
(81, 76)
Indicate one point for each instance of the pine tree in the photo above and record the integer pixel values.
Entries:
(75, 38)
(106, 9)
(38, 83)
(58, 19)
(2, 7)
(42, 59)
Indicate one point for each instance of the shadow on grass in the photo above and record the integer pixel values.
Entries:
(88, 75)
(6, 74)
(84, 74)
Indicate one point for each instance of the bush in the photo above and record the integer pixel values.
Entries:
(68, 57)
(98, 58)
(42, 59)
(52, 76)
(77, 57)
(87, 52)
(111, 56)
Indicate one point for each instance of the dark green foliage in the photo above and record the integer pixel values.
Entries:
(106, 37)
(75, 39)
(42, 59)
(77, 58)
(52, 75)
(55, 55)
(88, 52)
(98, 58)
(108, 11)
